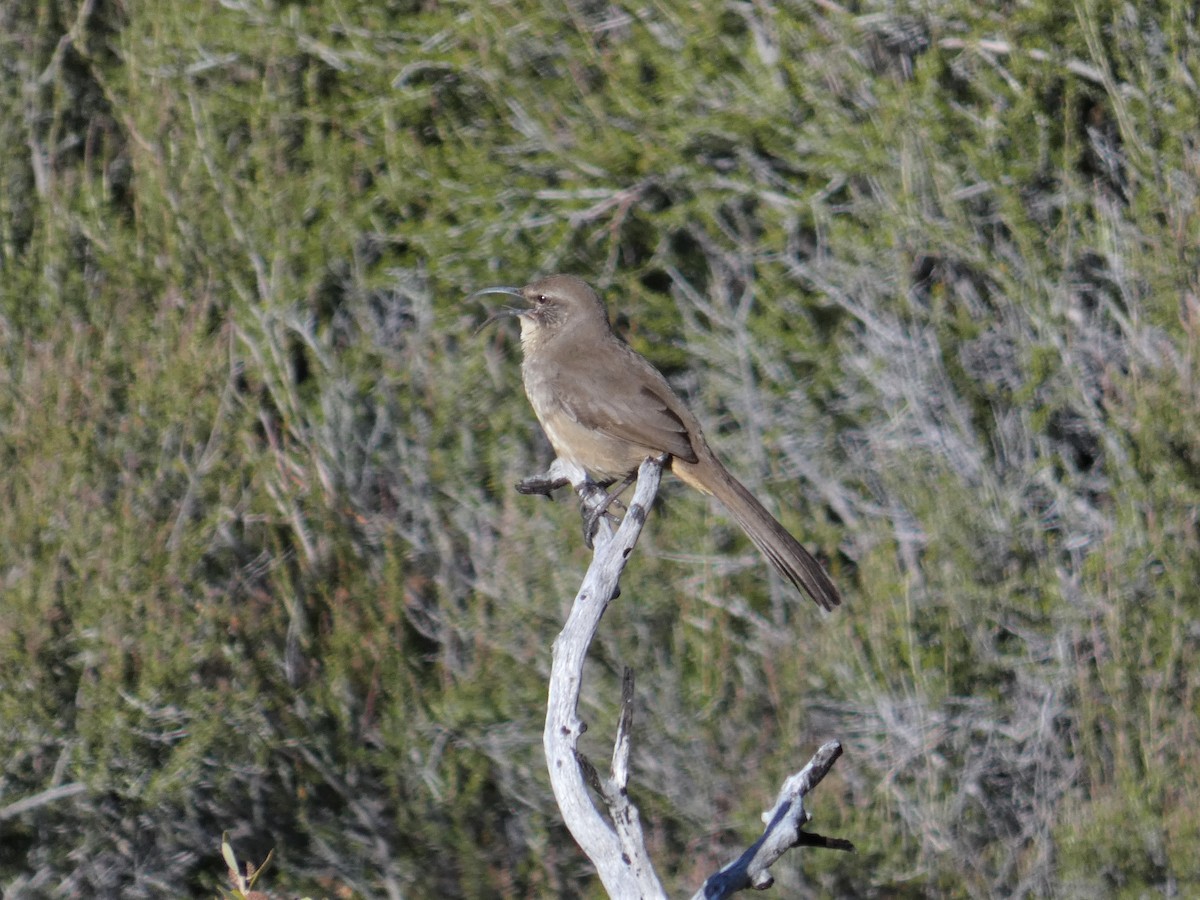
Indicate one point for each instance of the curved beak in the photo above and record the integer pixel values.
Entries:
(504, 311)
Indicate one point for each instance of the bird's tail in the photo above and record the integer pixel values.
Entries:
(786, 553)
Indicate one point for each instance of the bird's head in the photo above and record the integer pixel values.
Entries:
(553, 305)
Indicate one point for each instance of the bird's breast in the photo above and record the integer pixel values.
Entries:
(584, 444)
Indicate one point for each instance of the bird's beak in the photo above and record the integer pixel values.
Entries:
(504, 311)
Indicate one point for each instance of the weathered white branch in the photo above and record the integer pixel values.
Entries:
(615, 791)
(784, 823)
(620, 856)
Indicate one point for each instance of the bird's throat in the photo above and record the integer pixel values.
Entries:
(533, 333)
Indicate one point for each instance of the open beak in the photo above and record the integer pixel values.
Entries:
(504, 311)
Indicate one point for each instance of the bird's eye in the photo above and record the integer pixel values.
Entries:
(540, 299)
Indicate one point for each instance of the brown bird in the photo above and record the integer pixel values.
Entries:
(605, 409)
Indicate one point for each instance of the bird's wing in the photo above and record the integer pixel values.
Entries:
(630, 401)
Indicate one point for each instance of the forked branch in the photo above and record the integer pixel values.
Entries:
(615, 843)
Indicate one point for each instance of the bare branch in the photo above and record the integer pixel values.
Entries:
(620, 856)
(615, 790)
(50, 795)
(624, 742)
(783, 831)
(618, 850)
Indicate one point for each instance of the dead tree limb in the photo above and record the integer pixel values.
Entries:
(784, 823)
(617, 848)
(620, 856)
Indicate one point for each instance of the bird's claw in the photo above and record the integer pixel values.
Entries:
(593, 507)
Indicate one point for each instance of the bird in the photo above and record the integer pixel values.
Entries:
(605, 409)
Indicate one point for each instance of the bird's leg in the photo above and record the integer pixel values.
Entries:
(594, 501)
(594, 509)
(614, 493)
(595, 498)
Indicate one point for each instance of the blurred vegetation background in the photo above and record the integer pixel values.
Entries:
(928, 273)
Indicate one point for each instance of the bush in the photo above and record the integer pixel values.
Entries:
(928, 276)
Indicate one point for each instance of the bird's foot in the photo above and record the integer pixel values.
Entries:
(594, 502)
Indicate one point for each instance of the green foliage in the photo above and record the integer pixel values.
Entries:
(927, 273)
